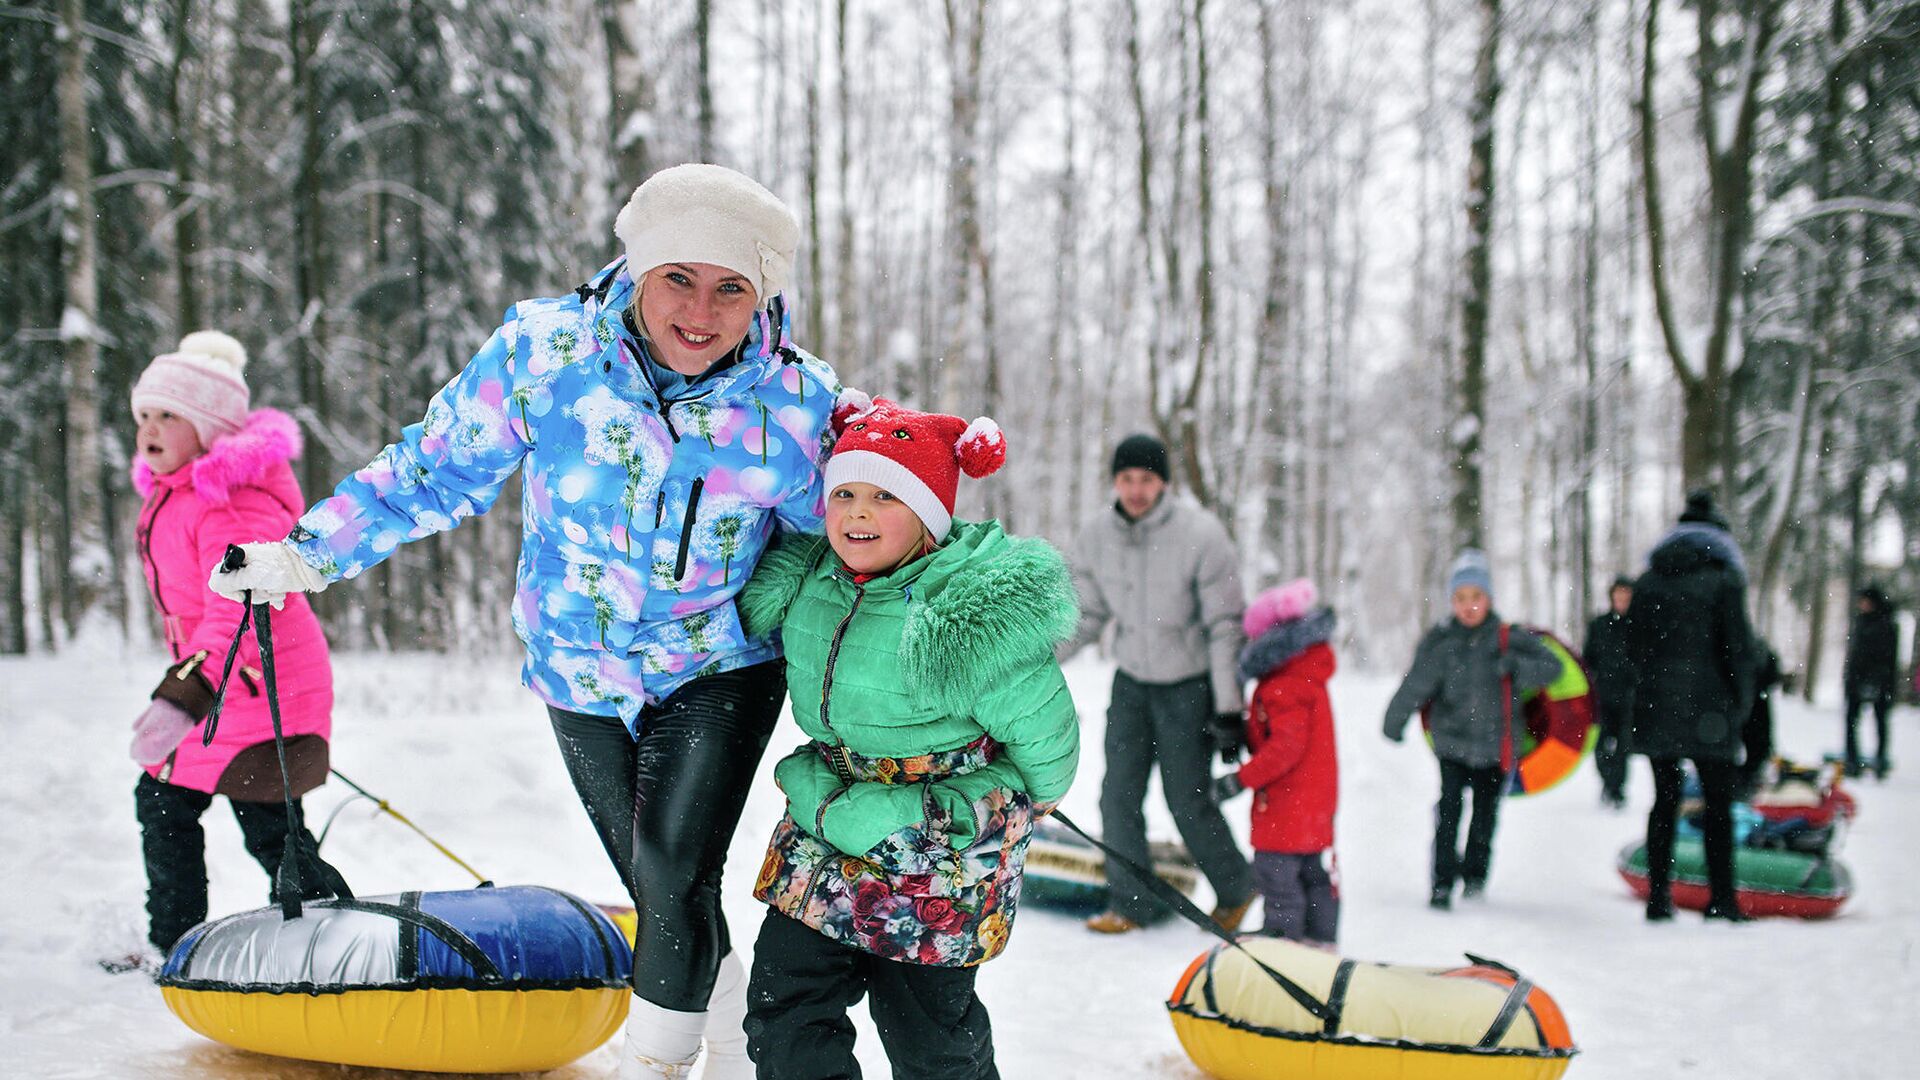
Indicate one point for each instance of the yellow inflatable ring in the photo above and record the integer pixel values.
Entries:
(518, 979)
(1482, 1021)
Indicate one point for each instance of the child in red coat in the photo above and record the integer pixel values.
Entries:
(1294, 770)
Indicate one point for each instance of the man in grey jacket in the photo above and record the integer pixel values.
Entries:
(1470, 681)
(1163, 572)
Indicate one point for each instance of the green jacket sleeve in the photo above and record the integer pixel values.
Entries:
(854, 817)
(776, 581)
(1031, 716)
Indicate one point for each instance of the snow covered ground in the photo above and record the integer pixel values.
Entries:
(466, 753)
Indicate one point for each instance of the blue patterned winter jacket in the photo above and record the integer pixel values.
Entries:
(642, 516)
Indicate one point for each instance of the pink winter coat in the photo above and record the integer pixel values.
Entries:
(242, 489)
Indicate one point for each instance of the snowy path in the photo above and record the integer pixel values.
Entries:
(1778, 1000)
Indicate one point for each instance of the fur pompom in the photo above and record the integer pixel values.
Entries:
(217, 346)
(982, 448)
(851, 405)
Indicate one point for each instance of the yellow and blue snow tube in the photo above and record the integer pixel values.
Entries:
(1312, 1015)
(494, 980)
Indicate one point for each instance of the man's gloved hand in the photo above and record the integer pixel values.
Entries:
(1228, 733)
(158, 730)
(271, 572)
(1226, 787)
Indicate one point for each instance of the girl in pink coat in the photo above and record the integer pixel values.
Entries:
(212, 473)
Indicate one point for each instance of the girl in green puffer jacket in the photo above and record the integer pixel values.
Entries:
(920, 661)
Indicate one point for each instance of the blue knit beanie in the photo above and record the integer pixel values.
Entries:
(1471, 567)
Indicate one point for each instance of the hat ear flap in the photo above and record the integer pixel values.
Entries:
(850, 406)
(982, 448)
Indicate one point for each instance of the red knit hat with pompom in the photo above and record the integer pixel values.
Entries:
(916, 456)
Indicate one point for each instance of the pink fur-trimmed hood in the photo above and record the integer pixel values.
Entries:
(269, 438)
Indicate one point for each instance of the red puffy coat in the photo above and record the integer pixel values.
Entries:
(242, 489)
(1294, 770)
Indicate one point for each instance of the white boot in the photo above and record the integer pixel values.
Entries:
(726, 1018)
(661, 1044)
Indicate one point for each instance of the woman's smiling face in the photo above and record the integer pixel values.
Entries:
(872, 531)
(695, 313)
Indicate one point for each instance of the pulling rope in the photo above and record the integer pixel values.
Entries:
(382, 805)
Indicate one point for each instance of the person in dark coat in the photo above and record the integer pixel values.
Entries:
(1693, 655)
(1870, 675)
(1757, 735)
(1606, 656)
(1469, 673)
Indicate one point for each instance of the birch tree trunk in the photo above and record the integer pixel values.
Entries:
(1469, 427)
(88, 574)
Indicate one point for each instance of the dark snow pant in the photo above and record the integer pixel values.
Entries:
(1166, 722)
(1301, 901)
(665, 806)
(1486, 781)
(1718, 782)
(175, 849)
(931, 1022)
(1882, 704)
(1610, 752)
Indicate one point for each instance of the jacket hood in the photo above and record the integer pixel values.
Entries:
(268, 439)
(1691, 546)
(1284, 642)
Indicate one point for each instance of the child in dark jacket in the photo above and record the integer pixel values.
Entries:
(920, 662)
(1294, 770)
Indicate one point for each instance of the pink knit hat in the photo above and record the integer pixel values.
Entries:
(1282, 603)
(201, 382)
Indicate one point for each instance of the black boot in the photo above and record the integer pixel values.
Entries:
(1441, 899)
(1727, 911)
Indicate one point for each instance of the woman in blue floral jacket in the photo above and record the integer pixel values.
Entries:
(665, 427)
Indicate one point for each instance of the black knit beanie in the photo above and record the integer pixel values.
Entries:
(1701, 509)
(1141, 452)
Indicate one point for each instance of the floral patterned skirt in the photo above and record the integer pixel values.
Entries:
(912, 897)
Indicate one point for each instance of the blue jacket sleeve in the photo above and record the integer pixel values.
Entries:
(448, 467)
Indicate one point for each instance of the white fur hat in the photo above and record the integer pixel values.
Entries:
(201, 381)
(710, 214)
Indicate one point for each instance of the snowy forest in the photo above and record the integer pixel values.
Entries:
(1390, 277)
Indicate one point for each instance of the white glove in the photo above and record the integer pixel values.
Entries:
(270, 573)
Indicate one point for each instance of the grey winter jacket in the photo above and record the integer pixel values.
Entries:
(1459, 670)
(1170, 585)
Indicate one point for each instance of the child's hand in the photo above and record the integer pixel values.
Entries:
(1226, 787)
(270, 572)
(158, 730)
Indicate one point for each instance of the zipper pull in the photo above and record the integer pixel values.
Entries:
(193, 661)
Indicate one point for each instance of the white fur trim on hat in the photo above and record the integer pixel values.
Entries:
(710, 214)
(867, 467)
(201, 381)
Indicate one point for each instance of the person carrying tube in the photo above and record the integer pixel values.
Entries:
(666, 428)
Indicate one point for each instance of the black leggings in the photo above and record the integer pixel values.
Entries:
(665, 806)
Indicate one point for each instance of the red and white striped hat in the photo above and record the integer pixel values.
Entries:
(916, 456)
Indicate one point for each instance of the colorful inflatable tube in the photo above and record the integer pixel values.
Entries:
(1558, 723)
(489, 980)
(1766, 881)
(1066, 873)
(1346, 1020)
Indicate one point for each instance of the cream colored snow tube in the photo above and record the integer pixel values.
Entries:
(1481, 1021)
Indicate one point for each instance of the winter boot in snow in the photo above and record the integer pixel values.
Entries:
(1111, 922)
(661, 1044)
(1473, 889)
(1441, 899)
(1228, 916)
(1727, 911)
(726, 1023)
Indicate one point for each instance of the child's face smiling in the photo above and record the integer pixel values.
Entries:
(165, 441)
(869, 529)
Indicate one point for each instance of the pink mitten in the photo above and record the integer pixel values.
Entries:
(159, 730)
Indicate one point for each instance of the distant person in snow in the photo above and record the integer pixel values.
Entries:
(1292, 768)
(1695, 658)
(665, 427)
(1756, 737)
(1606, 656)
(1870, 676)
(211, 471)
(1469, 673)
(1163, 573)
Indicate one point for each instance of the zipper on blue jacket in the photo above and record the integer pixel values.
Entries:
(686, 528)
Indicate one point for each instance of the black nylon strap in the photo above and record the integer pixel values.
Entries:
(482, 964)
(1337, 997)
(1183, 907)
(407, 963)
(1510, 1008)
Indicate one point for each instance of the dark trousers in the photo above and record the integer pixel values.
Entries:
(1149, 722)
(931, 1022)
(1718, 782)
(1882, 704)
(174, 847)
(665, 806)
(1610, 751)
(1455, 779)
(1301, 902)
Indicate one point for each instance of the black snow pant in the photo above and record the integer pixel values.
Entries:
(174, 847)
(1610, 752)
(665, 806)
(932, 1024)
(1165, 722)
(1881, 701)
(1719, 780)
(1301, 901)
(1486, 782)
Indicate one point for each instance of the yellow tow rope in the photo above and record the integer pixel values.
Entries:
(386, 807)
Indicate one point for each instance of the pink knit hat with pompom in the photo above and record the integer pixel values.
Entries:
(1282, 603)
(202, 381)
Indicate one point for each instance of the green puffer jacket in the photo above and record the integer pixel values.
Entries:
(930, 657)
